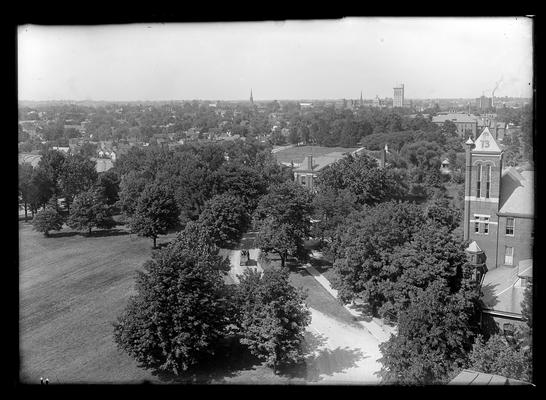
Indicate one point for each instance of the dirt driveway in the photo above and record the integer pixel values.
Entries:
(340, 353)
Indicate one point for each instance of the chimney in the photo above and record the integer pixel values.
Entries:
(383, 156)
(310, 162)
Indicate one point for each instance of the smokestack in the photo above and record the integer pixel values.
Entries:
(383, 160)
(310, 162)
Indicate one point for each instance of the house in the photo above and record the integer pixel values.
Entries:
(499, 220)
(306, 172)
(467, 124)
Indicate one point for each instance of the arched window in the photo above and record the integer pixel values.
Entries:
(487, 181)
(478, 180)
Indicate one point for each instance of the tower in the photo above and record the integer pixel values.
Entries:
(398, 100)
(482, 192)
(361, 102)
(477, 258)
(251, 99)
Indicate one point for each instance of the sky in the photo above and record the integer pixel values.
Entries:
(323, 59)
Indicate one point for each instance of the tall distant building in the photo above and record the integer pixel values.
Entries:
(484, 103)
(398, 96)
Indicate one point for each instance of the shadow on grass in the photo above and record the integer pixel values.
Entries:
(62, 234)
(107, 233)
(229, 360)
(320, 361)
(364, 310)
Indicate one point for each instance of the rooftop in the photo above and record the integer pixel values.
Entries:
(455, 118)
(516, 195)
(502, 289)
(320, 162)
(471, 377)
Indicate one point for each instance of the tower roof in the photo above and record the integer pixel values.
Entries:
(473, 248)
(486, 143)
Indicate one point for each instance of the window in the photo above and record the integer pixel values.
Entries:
(302, 177)
(479, 180)
(510, 226)
(509, 255)
(487, 181)
(485, 225)
(476, 227)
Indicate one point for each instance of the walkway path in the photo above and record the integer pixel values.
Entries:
(341, 354)
(235, 261)
(382, 333)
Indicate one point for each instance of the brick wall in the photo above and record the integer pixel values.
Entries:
(522, 241)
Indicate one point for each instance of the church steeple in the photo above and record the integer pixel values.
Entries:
(251, 98)
(361, 101)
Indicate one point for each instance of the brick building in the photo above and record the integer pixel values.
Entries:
(306, 173)
(498, 219)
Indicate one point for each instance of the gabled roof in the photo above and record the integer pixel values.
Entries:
(486, 143)
(320, 162)
(516, 194)
(473, 247)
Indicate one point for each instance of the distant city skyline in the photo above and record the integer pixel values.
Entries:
(435, 58)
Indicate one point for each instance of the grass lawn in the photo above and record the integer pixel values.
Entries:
(71, 289)
(297, 154)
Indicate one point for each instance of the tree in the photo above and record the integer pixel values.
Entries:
(78, 175)
(294, 136)
(89, 210)
(52, 166)
(361, 247)
(497, 356)
(180, 312)
(26, 171)
(156, 212)
(273, 316)
(449, 128)
(330, 208)
(41, 189)
(362, 177)
(47, 220)
(196, 239)
(441, 212)
(88, 150)
(431, 256)
(433, 339)
(131, 186)
(108, 183)
(240, 180)
(283, 220)
(226, 218)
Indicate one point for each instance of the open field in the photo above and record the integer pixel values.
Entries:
(297, 154)
(71, 290)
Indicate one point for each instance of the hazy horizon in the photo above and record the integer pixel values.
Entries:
(435, 58)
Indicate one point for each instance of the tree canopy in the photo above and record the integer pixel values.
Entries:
(156, 212)
(273, 316)
(179, 313)
(282, 218)
(89, 210)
